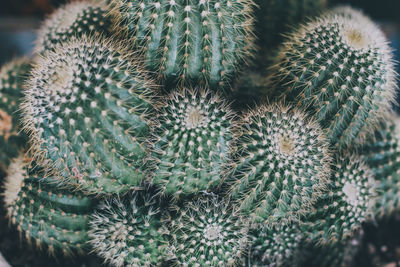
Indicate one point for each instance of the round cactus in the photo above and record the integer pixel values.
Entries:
(347, 203)
(129, 232)
(73, 20)
(274, 246)
(50, 217)
(340, 68)
(189, 41)
(208, 233)
(192, 141)
(281, 165)
(87, 109)
(12, 140)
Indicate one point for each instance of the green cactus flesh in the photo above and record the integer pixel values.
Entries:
(281, 166)
(49, 217)
(208, 233)
(190, 41)
(129, 232)
(339, 67)
(345, 205)
(12, 140)
(71, 21)
(87, 108)
(191, 142)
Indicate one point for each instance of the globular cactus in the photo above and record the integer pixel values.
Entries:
(346, 204)
(275, 246)
(340, 68)
(49, 217)
(12, 140)
(129, 232)
(87, 108)
(190, 41)
(71, 21)
(281, 166)
(207, 232)
(191, 142)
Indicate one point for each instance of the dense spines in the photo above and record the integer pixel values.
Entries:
(189, 41)
(340, 67)
(191, 142)
(46, 215)
(347, 203)
(71, 21)
(129, 231)
(207, 232)
(87, 108)
(12, 140)
(281, 165)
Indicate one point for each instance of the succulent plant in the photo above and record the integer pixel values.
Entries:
(340, 68)
(281, 165)
(46, 215)
(12, 140)
(191, 142)
(346, 204)
(129, 231)
(191, 41)
(207, 232)
(71, 21)
(87, 108)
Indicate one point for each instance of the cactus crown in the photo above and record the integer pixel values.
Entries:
(87, 109)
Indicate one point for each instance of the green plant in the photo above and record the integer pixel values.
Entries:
(281, 166)
(191, 142)
(87, 108)
(46, 215)
(340, 68)
(189, 41)
(12, 140)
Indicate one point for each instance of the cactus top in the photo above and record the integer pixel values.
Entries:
(281, 166)
(191, 41)
(340, 67)
(87, 107)
(73, 20)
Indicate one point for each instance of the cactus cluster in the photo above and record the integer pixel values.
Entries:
(135, 152)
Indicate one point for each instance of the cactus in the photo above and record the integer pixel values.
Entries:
(87, 109)
(50, 217)
(71, 21)
(129, 232)
(274, 246)
(340, 68)
(347, 203)
(191, 142)
(281, 165)
(207, 232)
(189, 41)
(12, 141)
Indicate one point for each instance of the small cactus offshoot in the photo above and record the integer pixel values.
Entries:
(87, 109)
(281, 166)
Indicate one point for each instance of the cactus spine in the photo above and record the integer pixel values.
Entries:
(339, 67)
(190, 41)
(87, 110)
(281, 166)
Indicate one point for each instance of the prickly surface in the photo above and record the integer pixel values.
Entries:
(191, 142)
(281, 164)
(340, 68)
(129, 232)
(346, 204)
(189, 41)
(208, 232)
(49, 217)
(71, 21)
(87, 109)
(12, 140)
